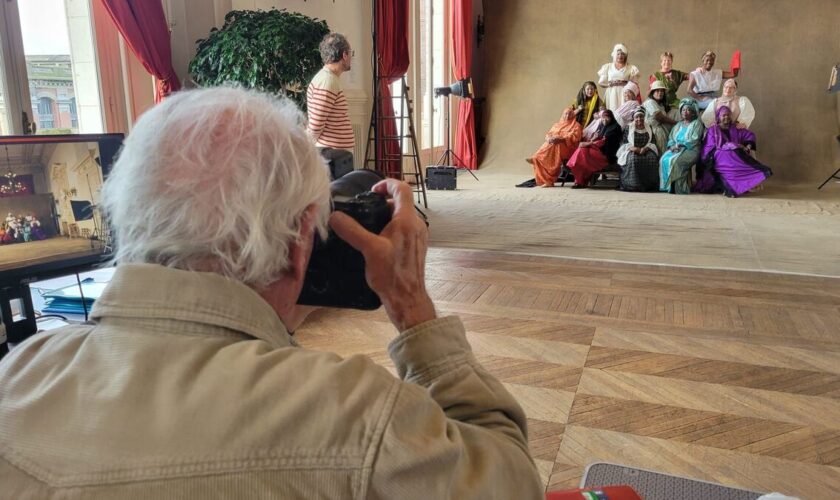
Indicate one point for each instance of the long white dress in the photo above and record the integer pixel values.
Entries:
(745, 114)
(614, 96)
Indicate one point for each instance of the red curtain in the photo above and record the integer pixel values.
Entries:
(143, 26)
(392, 57)
(462, 40)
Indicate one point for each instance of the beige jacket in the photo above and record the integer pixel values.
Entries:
(187, 385)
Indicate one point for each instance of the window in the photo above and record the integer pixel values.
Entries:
(45, 113)
(431, 51)
(74, 117)
(50, 71)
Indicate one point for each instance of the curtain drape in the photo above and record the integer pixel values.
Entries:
(392, 56)
(142, 24)
(462, 44)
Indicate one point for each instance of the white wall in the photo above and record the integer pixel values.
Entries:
(348, 17)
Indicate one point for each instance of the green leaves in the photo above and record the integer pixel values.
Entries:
(274, 51)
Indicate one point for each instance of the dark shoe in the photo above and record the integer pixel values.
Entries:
(578, 186)
(528, 184)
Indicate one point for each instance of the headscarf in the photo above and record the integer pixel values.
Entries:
(619, 47)
(707, 53)
(719, 112)
(631, 130)
(566, 127)
(690, 102)
(632, 87)
(588, 109)
(733, 103)
(612, 133)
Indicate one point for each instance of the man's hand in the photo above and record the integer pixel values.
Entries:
(395, 260)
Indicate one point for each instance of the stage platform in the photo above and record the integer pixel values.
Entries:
(783, 229)
(38, 252)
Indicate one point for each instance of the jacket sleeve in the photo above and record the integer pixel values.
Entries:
(454, 430)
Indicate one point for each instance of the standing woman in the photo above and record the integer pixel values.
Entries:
(683, 150)
(560, 142)
(638, 157)
(671, 78)
(594, 156)
(660, 116)
(587, 103)
(704, 82)
(614, 76)
(741, 109)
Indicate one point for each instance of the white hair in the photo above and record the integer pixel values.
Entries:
(216, 179)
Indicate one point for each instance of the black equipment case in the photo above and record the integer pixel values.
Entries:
(441, 178)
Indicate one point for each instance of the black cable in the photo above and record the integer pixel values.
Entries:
(82, 293)
(39, 317)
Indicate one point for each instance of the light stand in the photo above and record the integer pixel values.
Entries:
(833, 86)
(463, 89)
(835, 175)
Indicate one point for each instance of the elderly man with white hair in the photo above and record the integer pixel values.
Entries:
(188, 383)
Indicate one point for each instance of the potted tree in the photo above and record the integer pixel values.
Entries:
(274, 51)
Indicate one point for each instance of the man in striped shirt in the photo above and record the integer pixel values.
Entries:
(329, 121)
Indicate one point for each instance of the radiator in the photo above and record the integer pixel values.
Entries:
(360, 137)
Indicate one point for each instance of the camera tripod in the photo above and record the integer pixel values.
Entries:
(832, 176)
(446, 159)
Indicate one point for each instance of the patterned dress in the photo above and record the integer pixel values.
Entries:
(641, 171)
(675, 167)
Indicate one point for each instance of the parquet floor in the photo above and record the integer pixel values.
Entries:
(730, 377)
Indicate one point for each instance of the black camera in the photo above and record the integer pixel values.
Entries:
(336, 273)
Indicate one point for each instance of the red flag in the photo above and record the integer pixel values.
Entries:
(735, 63)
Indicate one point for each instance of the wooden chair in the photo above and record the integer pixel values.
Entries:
(86, 233)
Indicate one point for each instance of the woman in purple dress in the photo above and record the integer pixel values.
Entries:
(727, 154)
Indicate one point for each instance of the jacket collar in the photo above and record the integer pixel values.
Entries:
(153, 292)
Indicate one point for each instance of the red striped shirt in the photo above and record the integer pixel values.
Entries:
(329, 119)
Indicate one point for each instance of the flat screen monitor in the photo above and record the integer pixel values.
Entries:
(50, 221)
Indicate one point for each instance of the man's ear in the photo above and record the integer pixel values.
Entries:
(301, 249)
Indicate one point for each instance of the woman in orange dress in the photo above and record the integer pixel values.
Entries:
(560, 142)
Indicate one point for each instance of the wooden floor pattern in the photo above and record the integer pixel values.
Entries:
(730, 377)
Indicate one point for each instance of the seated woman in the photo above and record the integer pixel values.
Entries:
(671, 78)
(740, 108)
(560, 142)
(590, 133)
(659, 117)
(594, 156)
(704, 82)
(624, 113)
(587, 103)
(683, 150)
(727, 153)
(638, 157)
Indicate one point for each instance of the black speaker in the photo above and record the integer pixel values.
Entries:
(340, 161)
(441, 178)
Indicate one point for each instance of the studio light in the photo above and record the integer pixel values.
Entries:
(461, 88)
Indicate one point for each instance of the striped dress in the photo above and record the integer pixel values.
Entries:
(329, 121)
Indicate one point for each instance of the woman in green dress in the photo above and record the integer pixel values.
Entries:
(683, 150)
(671, 78)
